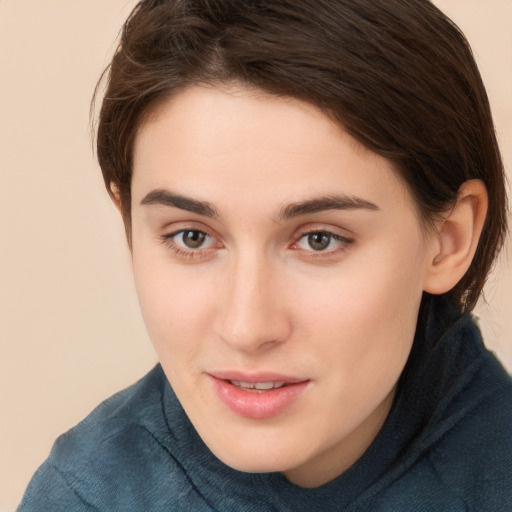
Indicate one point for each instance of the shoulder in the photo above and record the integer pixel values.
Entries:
(120, 457)
(464, 464)
(115, 427)
(456, 413)
(469, 441)
(474, 457)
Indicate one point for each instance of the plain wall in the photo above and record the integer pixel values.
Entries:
(70, 330)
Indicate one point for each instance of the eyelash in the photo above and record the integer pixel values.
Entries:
(344, 241)
(168, 241)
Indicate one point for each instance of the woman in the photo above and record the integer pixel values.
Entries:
(313, 197)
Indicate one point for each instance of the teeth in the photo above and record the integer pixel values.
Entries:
(260, 386)
(268, 385)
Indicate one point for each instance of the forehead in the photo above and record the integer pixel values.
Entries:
(201, 108)
(231, 139)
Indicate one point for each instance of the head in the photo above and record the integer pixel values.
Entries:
(398, 76)
(370, 121)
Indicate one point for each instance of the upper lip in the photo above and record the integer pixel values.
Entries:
(255, 377)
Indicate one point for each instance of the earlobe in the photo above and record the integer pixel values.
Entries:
(457, 238)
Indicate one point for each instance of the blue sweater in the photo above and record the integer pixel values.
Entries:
(446, 446)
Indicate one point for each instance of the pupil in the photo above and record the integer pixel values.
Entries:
(319, 241)
(193, 239)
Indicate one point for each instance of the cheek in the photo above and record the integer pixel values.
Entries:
(368, 316)
(176, 306)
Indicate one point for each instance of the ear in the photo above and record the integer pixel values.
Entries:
(115, 195)
(456, 239)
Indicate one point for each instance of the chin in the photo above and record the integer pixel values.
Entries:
(267, 455)
(261, 463)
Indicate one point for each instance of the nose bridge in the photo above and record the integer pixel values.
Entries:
(251, 315)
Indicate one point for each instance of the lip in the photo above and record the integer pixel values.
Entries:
(257, 405)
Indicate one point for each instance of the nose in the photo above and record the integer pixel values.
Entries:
(252, 314)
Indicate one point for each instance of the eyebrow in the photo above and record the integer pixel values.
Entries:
(162, 197)
(320, 204)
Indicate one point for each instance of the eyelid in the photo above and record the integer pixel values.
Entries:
(344, 241)
(323, 228)
(173, 228)
(173, 235)
(168, 240)
(185, 229)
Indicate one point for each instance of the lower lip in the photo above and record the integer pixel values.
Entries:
(258, 405)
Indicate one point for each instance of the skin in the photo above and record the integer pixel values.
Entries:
(256, 296)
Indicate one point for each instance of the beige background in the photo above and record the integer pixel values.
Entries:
(70, 330)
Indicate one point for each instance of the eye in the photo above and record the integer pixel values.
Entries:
(189, 242)
(322, 241)
(191, 239)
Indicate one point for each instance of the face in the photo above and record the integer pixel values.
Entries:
(280, 267)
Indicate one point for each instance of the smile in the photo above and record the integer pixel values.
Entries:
(258, 397)
(257, 386)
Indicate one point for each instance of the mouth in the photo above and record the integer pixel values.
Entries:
(257, 387)
(259, 396)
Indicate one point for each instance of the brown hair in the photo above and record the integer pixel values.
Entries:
(398, 75)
